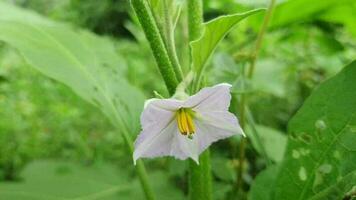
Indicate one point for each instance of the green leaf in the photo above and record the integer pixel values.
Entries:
(273, 141)
(83, 61)
(339, 190)
(321, 154)
(285, 13)
(214, 32)
(10, 12)
(223, 168)
(343, 14)
(58, 180)
(262, 186)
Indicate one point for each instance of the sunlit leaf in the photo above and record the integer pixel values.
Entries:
(55, 180)
(214, 32)
(86, 63)
(321, 150)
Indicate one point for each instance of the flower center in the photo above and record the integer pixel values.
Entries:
(185, 122)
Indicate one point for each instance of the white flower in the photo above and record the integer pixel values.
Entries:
(185, 128)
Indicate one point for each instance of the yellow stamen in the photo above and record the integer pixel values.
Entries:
(179, 122)
(185, 121)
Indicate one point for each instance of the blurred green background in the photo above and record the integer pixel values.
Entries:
(53, 138)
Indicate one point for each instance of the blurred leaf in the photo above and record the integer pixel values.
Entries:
(49, 180)
(344, 14)
(223, 168)
(55, 180)
(9, 12)
(263, 185)
(86, 63)
(273, 141)
(285, 13)
(270, 77)
(214, 32)
(320, 154)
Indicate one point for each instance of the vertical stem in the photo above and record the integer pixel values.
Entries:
(243, 142)
(170, 44)
(195, 27)
(243, 101)
(155, 40)
(258, 44)
(142, 174)
(200, 183)
(195, 19)
(140, 168)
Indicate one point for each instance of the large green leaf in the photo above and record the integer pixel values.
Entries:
(343, 14)
(9, 12)
(57, 180)
(302, 10)
(273, 141)
(263, 184)
(86, 63)
(214, 32)
(321, 152)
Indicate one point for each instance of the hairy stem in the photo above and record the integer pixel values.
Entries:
(195, 19)
(170, 43)
(156, 42)
(200, 183)
(243, 101)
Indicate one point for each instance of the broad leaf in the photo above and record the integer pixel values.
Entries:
(86, 63)
(293, 11)
(262, 186)
(10, 12)
(273, 141)
(214, 32)
(320, 156)
(340, 190)
(56, 180)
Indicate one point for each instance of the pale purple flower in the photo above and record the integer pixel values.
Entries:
(185, 128)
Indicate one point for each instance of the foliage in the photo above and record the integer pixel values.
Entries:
(101, 181)
(320, 161)
(300, 127)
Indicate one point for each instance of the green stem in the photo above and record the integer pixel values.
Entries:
(260, 35)
(140, 168)
(195, 29)
(240, 168)
(200, 183)
(243, 101)
(252, 123)
(195, 19)
(157, 45)
(170, 44)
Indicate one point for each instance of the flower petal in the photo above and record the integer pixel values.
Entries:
(183, 148)
(211, 98)
(215, 125)
(159, 111)
(152, 143)
(157, 120)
